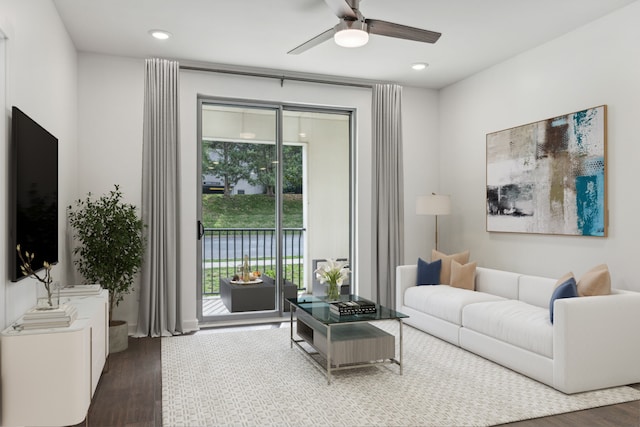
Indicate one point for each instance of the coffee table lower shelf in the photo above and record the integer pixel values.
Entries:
(345, 345)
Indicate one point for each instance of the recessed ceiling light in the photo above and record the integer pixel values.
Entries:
(160, 34)
(419, 66)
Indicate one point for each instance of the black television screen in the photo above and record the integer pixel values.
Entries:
(33, 193)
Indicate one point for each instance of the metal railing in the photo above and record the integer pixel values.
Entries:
(224, 249)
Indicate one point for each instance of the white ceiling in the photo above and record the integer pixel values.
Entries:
(258, 33)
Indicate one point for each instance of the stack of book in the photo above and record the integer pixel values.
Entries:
(349, 308)
(60, 317)
(80, 290)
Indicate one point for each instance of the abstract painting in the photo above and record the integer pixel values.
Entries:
(549, 177)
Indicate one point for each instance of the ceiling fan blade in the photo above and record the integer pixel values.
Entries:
(390, 29)
(342, 9)
(323, 37)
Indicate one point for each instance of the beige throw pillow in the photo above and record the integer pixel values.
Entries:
(445, 270)
(463, 276)
(596, 281)
(563, 279)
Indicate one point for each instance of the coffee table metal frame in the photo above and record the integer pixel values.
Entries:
(322, 314)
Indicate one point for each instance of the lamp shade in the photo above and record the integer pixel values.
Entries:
(434, 204)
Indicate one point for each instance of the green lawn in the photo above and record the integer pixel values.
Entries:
(250, 211)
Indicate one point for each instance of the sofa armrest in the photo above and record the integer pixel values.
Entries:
(406, 276)
(596, 341)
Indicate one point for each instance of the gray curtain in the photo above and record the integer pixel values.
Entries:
(388, 200)
(159, 310)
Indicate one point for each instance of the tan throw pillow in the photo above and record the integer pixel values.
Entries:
(563, 279)
(445, 270)
(463, 276)
(596, 281)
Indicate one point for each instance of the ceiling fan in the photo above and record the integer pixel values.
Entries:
(353, 29)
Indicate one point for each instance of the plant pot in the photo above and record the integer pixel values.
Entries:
(118, 336)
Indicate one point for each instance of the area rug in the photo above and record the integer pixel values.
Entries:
(254, 378)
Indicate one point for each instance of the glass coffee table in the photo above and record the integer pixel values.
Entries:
(344, 341)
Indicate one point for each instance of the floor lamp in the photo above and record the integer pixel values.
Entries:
(434, 204)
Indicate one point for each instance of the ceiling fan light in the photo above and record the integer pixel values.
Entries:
(160, 34)
(351, 37)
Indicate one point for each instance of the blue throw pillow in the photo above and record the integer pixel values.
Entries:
(567, 289)
(428, 273)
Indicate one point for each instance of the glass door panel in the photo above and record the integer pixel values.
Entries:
(239, 206)
(276, 196)
(316, 169)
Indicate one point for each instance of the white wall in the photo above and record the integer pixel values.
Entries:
(327, 171)
(421, 147)
(110, 96)
(594, 65)
(41, 76)
(110, 131)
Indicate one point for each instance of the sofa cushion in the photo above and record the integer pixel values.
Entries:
(536, 290)
(463, 276)
(497, 282)
(443, 301)
(445, 272)
(428, 272)
(568, 289)
(514, 322)
(596, 281)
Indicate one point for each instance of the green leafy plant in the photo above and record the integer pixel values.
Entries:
(110, 243)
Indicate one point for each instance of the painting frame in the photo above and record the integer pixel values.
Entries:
(550, 176)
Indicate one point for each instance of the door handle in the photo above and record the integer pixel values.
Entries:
(200, 230)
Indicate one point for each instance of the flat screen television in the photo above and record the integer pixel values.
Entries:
(33, 193)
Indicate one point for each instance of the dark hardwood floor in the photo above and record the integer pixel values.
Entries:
(130, 389)
(130, 394)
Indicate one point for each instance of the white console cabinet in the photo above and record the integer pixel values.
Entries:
(48, 376)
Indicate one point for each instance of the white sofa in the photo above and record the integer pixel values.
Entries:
(593, 343)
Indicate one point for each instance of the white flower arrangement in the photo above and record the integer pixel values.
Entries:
(332, 272)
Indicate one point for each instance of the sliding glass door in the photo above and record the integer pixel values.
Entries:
(275, 193)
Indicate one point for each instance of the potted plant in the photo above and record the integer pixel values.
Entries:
(110, 248)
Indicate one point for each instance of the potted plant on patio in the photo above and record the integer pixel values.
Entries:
(110, 248)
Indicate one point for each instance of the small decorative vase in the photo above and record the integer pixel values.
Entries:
(333, 292)
(51, 301)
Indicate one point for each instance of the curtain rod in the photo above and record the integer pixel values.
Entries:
(280, 77)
